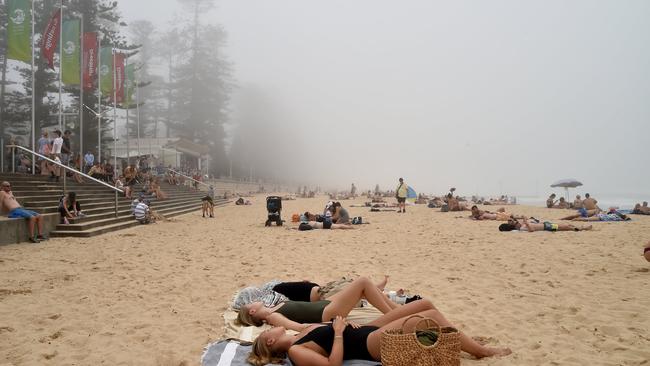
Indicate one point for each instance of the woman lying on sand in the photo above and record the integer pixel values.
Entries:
(326, 225)
(500, 215)
(330, 344)
(294, 291)
(646, 252)
(514, 224)
(290, 314)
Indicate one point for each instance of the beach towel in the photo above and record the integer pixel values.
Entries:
(231, 352)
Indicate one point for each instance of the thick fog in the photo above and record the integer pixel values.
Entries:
(488, 96)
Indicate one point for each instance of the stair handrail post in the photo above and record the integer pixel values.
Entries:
(65, 174)
(2, 154)
(13, 160)
(65, 167)
(115, 204)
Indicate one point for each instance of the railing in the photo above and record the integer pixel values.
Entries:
(190, 178)
(117, 190)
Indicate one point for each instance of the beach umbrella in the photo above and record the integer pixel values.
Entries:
(566, 184)
(411, 196)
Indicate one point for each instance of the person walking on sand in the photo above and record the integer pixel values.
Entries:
(400, 194)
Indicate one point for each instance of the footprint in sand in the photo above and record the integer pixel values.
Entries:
(49, 356)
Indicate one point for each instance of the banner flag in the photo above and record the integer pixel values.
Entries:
(71, 49)
(130, 84)
(119, 77)
(90, 60)
(106, 70)
(51, 37)
(19, 30)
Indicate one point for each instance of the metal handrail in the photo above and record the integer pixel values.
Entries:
(117, 190)
(190, 178)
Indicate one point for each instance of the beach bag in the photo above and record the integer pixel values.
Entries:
(416, 348)
(357, 220)
(295, 218)
(304, 226)
(444, 208)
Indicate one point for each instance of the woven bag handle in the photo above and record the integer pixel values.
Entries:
(423, 319)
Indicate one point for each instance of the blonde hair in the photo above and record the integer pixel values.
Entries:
(244, 318)
(261, 354)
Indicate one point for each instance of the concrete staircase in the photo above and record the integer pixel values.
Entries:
(39, 194)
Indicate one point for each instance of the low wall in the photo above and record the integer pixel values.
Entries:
(222, 186)
(14, 231)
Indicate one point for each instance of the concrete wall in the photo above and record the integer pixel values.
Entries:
(13, 231)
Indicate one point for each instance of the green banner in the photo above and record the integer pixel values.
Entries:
(19, 30)
(130, 84)
(106, 70)
(71, 53)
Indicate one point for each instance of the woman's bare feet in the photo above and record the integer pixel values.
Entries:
(495, 352)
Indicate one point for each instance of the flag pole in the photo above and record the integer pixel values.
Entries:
(81, 95)
(137, 110)
(33, 94)
(99, 98)
(60, 64)
(128, 146)
(114, 113)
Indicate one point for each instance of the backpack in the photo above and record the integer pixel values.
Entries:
(304, 226)
(357, 220)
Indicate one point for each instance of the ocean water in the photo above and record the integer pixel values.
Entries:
(604, 202)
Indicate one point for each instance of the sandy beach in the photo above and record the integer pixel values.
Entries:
(154, 295)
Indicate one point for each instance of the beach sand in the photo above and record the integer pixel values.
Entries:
(153, 295)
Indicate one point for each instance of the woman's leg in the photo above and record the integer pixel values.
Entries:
(344, 301)
(411, 308)
(467, 344)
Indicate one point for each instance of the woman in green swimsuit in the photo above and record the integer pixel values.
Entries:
(293, 314)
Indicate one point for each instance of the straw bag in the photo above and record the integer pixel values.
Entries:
(404, 349)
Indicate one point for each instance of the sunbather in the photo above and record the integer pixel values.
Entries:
(330, 344)
(583, 212)
(646, 252)
(292, 314)
(612, 215)
(274, 292)
(500, 215)
(327, 224)
(641, 209)
(550, 202)
(525, 225)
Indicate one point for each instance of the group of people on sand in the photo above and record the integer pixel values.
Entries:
(324, 335)
(334, 216)
(588, 203)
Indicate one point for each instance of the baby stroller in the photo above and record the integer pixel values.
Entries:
(273, 207)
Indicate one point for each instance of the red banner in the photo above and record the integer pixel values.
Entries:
(89, 60)
(119, 76)
(51, 38)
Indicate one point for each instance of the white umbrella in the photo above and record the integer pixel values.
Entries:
(566, 184)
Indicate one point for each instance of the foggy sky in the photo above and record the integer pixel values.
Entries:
(490, 97)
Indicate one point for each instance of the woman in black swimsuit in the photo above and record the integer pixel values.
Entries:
(291, 314)
(330, 344)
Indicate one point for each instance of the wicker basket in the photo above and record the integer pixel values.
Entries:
(404, 349)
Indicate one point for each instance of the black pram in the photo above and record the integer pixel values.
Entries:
(274, 207)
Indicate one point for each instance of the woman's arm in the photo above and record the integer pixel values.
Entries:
(279, 320)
